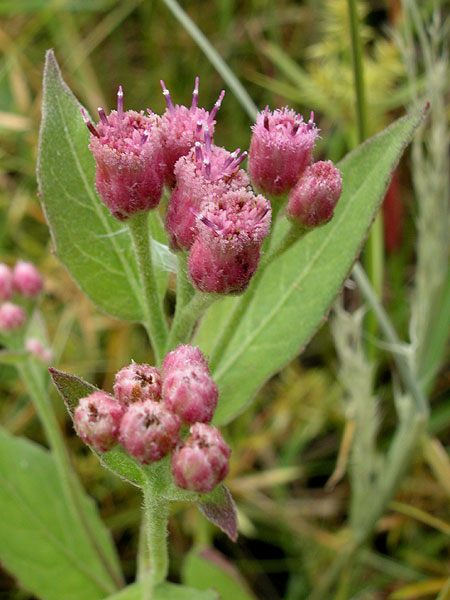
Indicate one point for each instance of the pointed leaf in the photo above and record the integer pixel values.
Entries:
(40, 541)
(219, 508)
(94, 246)
(297, 290)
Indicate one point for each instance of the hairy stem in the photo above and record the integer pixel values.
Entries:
(155, 319)
(186, 318)
(71, 485)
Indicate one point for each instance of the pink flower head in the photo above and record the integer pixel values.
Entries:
(136, 383)
(312, 200)
(182, 357)
(27, 280)
(280, 150)
(11, 317)
(6, 282)
(226, 253)
(149, 431)
(182, 127)
(34, 346)
(207, 171)
(97, 420)
(190, 393)
(129, 158)
(201, 462)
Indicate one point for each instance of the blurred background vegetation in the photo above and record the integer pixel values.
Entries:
(292, 491)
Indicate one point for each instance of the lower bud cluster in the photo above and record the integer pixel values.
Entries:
(146, 414)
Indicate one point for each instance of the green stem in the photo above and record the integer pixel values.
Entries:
(155, 320)
(186, 318)
(156, 519)
(71, 485)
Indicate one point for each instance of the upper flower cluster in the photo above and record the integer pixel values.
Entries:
(147, 411)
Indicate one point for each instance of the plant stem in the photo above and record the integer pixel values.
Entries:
(71, 485)
(156, 518)
(374, 256)
(185, 319)
(155, 320)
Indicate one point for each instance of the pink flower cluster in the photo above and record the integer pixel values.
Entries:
(147, 412)
(24, 280)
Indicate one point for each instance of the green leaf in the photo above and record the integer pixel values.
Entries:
(94, 246)
(13, 357)
(297, 290)
(165, 591)
(116, 460)
(40, 542)
(203, 567)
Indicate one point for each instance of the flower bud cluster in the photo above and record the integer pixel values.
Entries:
(146, 413)
(24, 280)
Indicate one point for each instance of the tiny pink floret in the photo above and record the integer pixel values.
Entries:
(313, 199)
(6, 282)
(97, 420)
(280, 150)
(226, 253)
(201, 462)
(182, 357)
(129, 159)
(136, 383)
(34, 346)
(12, 317)
(191, 394)
(27, 280)
(149, 431)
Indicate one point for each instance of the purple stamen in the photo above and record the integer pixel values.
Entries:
(198, 151)
(120, 102)
(207, 165)
(266, 118)
(198, 129)
(102, 114)
(295, 127)
(166, 94)
(240, 158)
(195, 96)
(89, 125)
(207, 139)
(216, 107)
(262, 215)
(311, 121)
(204, 220)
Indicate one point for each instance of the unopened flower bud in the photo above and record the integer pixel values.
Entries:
(208, 171)
(130, 162)
(149, 431)
(97, 420)
(136, 383)
(190, 393)
(27, 280)
(182, 127)
(11, 316)
(226, 253)
(6, 282)
(313, 199)
(37, 349)
(182, 357)
(201, 461)
(280, 150)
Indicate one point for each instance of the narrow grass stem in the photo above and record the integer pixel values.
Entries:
(155, 320)
(71, 485)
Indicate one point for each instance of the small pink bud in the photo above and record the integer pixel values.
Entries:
(130, 162)
(226, 253)
(182, 357)
(97, 420)
(136, 383)
(190, 393)
(182, 127)
(26, 279)
(280, 150)
(37, 349)
(201, 461)
(6, 282)
(149, 431)
(208, 171)
(11, 316)
(313, 199)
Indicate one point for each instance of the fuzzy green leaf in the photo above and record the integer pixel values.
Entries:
(297, 290)
(40, 542)
(94, 246)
